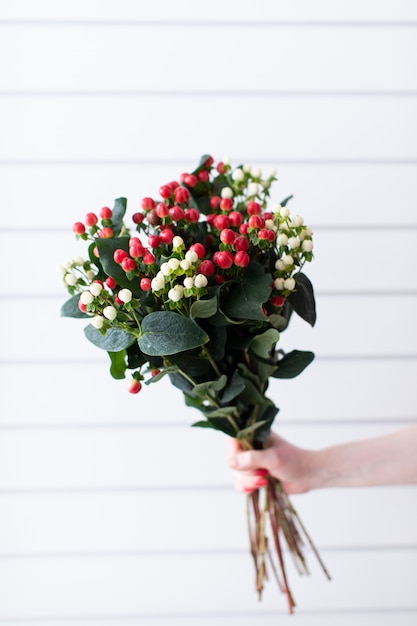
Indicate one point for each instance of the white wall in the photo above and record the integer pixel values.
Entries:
(112, 510)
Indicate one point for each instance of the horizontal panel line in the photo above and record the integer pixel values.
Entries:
(180, 162)
(209, 616)
(320, 358)
(258, 93)
(396, 422)
(218, 552)
(214, 23)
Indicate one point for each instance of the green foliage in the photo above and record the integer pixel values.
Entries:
(70, 308)
(302, 299)
(166, 333)
(114, 340)
(118, 364)
(292, 364)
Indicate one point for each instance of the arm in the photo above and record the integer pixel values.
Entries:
(386, 460)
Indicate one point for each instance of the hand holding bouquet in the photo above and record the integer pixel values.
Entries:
(201, 292)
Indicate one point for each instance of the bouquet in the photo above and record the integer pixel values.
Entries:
(199, 288)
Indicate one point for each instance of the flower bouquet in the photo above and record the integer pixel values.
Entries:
(200, 293)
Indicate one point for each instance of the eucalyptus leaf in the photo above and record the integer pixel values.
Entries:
(246, 297)
(203, 308)
(210, 387)
(118, 364)
(249, 430)
(217, 423)
(262, 345)
(167, 332)
(234, 387)
(161, 374)
(293, 363)
(70, 308)
(114, 340)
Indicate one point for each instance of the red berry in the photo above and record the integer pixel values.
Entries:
(105, 233)
(138, 218)
(119, 255)
(106, 213)
(110, 282)
(255, 221)
(271, 235)
(209, 161)
(183, 176)
(165, 191)
(155, 372)
(154, 241)
(91, 219)
(235, 218)
(162, 210)
(118, 301)
(219, 279)
(136, 249)
(227, 236)
(147, 204)
(145, 283)
(78, 228)
(181, 195)
(224, 259)
(277, 300)
(177, 213)
(226, 204)
(241, 243)
(166, 235)
(203, 176)
(221, 167)
(214, 202)
(199, 249)
(128, 264)
(207, 268)
(241, 259)
(253, 208)
(243, 229)
(134, 386)
(263, 233)
(221, 221)
(267, 215)
(148, 258)
(82, 307)
(191, 215)
(173, 185)
(190, 180)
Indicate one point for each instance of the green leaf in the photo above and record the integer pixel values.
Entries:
(249, 430)
(203, 308)
(118, 364)
(161, 374)
(293, 363)
(106, 249)
(262, 345)
(246, 297)
(286, 200)
(119, 211)
(234, 387)
(167, 332)
(302, 299)
(70, 308)
(135, 357)
(217, 423)
(114, 340)
(210, 387)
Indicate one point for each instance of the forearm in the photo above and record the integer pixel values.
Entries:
(386, 460)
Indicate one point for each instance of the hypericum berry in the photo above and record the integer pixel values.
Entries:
(221, 221)
(284, 211)
(165, 269)
(263, 233)
(203, 176)
(173, 264)
(253, 189)
(241, 243)
(96, 288)
(155, 372)
(207, 267)
(177, 242)
(238, 175)
(287, 259)
(226, 192)
(199, 249)
(105, 233)
(227, 236)
(128, 264)
(136, 249)
(90, 274)
(82, 306)
(297, 221)
(200, 281)
(91, 219)
(154, 241)
(289, 283)
(138, 218)
(241, 259)
(256, 171)
(243, 228)
(176, 293)
(166, 236)
(191, 256)
(307, 245)
(162, 210)
(78, 228)
(157, 283)
(255, 221)
(125, 295)
(71, 280)
(134, 386)
(236, 218)
(277, 301)
(148, 258)
(185, 264)
(177, 213)
(190, 180)
(279, 284)
(192, 215)
(214, 202)
(110, 313)
(224, 259)
(253, 208)
(280, 265)
(119, 255)
(189, 282)
(226, 204)
(97, 322)
(106, 213)
(282, 239)
(110, 282)
(147, 204)
(221, 167)
(294, 243)
(165, 192)
(181, 195)
(145, 283)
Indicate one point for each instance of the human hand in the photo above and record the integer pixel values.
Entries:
(290, 464)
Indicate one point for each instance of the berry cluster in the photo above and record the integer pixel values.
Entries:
(202, 232)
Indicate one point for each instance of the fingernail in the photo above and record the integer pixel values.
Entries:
(260, 482)
(261, 472)
(248, 489)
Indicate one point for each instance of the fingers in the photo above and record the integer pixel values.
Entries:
(248, 476)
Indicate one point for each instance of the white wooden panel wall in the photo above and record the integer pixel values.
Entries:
(112, 510)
